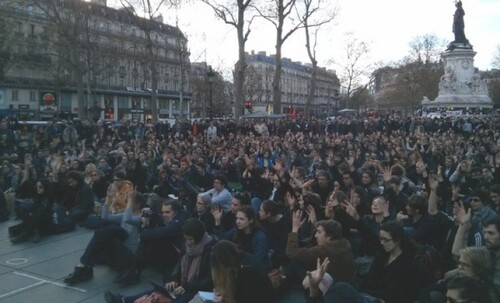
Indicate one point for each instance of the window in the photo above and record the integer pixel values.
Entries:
(65, 102)
(32, 29)
(31, 11)
(32, 96)
(122, 102)
(18, 27)
(14, 95)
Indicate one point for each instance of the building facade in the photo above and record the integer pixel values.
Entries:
(65, 57)
(295, 83)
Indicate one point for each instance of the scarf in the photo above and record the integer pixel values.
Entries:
(190, 262)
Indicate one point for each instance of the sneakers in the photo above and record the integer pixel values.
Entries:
(80, 274)
(127, 277)
(110, 297)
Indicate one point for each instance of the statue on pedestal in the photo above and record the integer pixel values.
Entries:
(458, 24)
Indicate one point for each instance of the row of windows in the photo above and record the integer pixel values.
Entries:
(14, 96)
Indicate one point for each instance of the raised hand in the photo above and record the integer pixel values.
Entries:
(311, 213)
(433, 182)
(316, 275)
(387, 173)
(217, 213)
(462, 216)
(297, 221)
(351, 210)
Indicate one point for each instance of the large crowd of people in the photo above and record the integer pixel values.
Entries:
(353, 209)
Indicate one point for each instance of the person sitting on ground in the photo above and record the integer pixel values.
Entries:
(237, 278)
(192, 272)
(36, 220)
(219, 194)
(277, 227)
(467, 289)
(323, 288)
(115, 243)
(248, 235)
(330, 244)
(159, 245)
(473, 262)
(390, 276)
(78, 200)
(203, 213)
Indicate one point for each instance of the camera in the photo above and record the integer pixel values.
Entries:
(147, 212)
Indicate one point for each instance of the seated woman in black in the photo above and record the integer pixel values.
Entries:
(192, 272)
(37, 219)
(390, 276)
(236, 278)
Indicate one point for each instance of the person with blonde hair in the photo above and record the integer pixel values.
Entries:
(473, 262)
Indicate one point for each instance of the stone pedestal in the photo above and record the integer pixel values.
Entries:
(460, 86)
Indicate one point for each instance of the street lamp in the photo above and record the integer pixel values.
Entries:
(210, 79)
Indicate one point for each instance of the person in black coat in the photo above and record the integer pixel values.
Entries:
(390, 276)
(37, 219)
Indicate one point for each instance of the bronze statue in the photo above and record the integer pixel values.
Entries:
(458, 24)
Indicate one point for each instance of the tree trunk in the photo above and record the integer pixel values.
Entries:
(312, 89)
(277, 76)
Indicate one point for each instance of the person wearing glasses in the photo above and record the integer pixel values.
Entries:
(471, 220)
(473, 262)
(219, 194)
(390, 277)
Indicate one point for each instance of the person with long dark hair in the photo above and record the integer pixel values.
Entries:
(248, 235)
(37, 219)
(390, 276)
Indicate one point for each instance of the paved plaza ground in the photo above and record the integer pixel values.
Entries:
(32, 272)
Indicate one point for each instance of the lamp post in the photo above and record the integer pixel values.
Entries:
(210, 79)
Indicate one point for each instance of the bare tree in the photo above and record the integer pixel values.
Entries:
(355, 68)
(310, 9)
(145, 14)
(74, 46)
(11, 40)
(279, 14)
(426, 48)
(235, 14)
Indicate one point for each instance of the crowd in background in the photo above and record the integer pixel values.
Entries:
(351, 208)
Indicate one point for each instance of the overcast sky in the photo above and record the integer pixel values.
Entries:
(387, 25)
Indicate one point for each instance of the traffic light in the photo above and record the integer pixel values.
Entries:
(248, 105)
